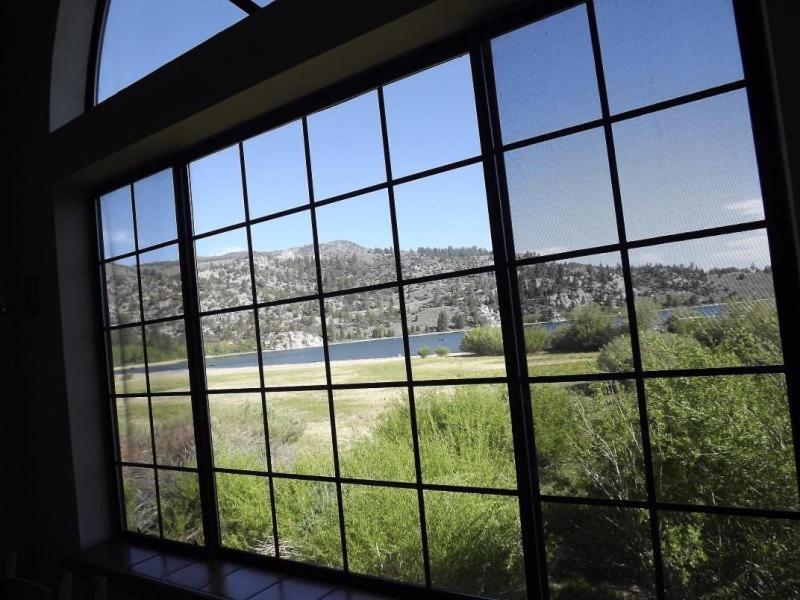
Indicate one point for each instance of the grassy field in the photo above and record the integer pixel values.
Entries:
(299, 422)
(362, 371)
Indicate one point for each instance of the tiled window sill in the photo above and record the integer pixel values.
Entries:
(138, 569)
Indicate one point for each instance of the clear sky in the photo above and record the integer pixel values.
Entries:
(142, 35)
(683, 169)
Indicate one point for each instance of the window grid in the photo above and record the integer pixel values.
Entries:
(517, 375)
(639, 374)
(156, 465)
(408, 384)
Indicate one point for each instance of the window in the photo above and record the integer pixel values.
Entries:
(139, 37)
(541, 265)
(150, 381)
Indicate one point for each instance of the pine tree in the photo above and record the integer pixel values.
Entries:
(441, 322)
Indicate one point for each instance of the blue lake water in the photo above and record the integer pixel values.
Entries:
(380, 348)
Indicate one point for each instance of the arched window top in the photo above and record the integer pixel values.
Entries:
(140, 36)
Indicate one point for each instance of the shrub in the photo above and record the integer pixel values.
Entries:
(536, 340)
(647, 310)
(245, 520)
(484, 341)
(591, 327)
(746, 332)
(474, 539)
(424, 352)
(442, 351)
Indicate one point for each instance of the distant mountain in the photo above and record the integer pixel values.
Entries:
(547, 291)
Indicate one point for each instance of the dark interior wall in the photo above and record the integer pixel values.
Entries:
(38, 489)
(783, 28)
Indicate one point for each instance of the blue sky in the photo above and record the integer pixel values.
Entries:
(142, 35)
(683, 169)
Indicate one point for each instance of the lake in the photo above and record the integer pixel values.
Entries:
(379, 348)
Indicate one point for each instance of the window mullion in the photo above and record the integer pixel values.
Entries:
(195, 357)
(511, 321)
(630, 303)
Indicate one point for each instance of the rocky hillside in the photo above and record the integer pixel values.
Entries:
(548, 291)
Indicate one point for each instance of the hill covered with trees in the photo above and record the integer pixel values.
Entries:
(548, 291)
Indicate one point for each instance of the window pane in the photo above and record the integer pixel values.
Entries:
(116, 214)
(283, 257)
(575, 316)
(180, 506)
(291, 340)
(365, 326)
(475, 544)
(300, 432)
(162, 292)
(229, 344)
(716, 556)
(173, 424)
(141, 509)
(655, 51)
(383, 532)
(133, 428)
(431, 119)
(722, 441)
(373, 429)
(598, 552)
(237, 431)
(355, 242)
(141, 36)
(689, 168)
(155, 209)
(454, 328)
(245, 517)
(122, 292)
(275, 164)
(560, 195)
(216, 182)
(588, 440)
(223, 270)
(443, 223)
(127, 355)
(167, 364)
(346, 147)
(308, 521)
(545, 76)
(465, 435)
(706, 303)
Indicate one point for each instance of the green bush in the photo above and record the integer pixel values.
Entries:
(475, 543)
(714, 440)
(746, 331)
(536, 340)
(591, 327)
(244, 516)
(483, 341)
(424, 352)
(442, 351)
(647, 311)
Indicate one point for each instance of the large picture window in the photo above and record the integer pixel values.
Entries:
(504, 327)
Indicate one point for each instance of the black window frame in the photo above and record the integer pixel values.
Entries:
(778, 222)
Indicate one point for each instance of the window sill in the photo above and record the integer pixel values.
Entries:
(153, 573)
